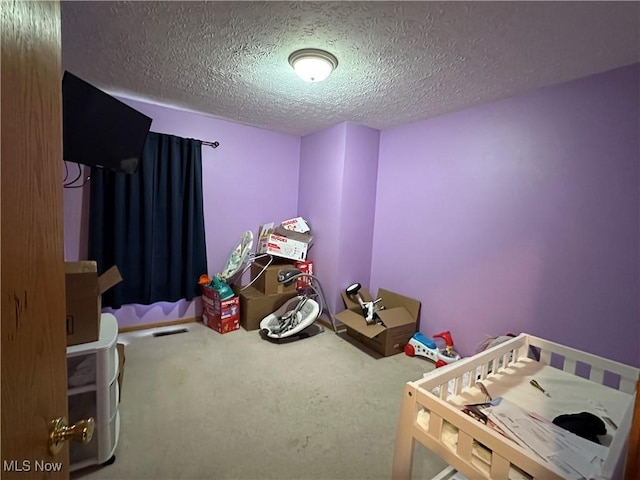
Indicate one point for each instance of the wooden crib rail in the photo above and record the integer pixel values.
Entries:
(571, 358)
(474, 368)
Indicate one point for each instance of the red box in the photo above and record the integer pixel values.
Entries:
(209, 297)
(220, 315)
(304, 267)
(219, 324)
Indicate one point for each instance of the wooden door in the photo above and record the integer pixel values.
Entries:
(33, 293)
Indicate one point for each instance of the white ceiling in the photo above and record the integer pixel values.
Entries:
(398, 61)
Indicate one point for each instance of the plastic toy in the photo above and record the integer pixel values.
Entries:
(421, 345)
(237, 259)
(224, 290)
(369, 309)
(232, 268)
(449, 354)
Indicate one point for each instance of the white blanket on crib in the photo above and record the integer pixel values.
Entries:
(569, 455)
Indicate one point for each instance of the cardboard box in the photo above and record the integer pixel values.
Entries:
(400, 318)
(212, 304)
(296, 224)
(120, 347)
(219, 323)
(266, 279)
(304, 267)
(223, 316)
(84, 289)
(255, 305)
(284, 243)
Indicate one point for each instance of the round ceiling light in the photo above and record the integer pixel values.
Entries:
(313, 65)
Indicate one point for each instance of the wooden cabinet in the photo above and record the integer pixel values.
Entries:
(92, 388)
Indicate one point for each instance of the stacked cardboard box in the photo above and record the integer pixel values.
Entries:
(265, 277)
(223, 316)
(292, 239)
(265, 295)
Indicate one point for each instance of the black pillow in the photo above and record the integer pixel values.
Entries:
(584, 424)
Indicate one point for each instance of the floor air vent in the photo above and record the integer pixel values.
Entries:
(169, 332)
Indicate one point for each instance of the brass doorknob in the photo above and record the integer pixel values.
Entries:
(81, 431)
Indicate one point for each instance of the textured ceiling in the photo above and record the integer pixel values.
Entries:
(398, 61)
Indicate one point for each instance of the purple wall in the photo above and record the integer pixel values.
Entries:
(357, 211)
(243, 180)
(519, 216)
(320, 190)
(338, 170)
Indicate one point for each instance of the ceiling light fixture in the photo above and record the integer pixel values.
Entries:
(313, 65)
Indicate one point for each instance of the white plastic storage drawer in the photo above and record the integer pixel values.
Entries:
(111, 364)
(114, 391)
(81, 370)
(82, 406)
(110, 437)
(93, 392)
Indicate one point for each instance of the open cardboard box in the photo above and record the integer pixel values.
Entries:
(84, 289)
(283, 243)
(400, 318)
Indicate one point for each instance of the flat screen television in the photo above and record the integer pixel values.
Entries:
(99, 130)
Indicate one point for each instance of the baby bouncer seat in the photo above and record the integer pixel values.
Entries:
(292, 318)
(299, 313)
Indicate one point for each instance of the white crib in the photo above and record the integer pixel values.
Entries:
(431, 411)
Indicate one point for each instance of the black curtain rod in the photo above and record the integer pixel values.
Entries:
(208, 144)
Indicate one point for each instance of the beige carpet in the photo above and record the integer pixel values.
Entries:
(201, 405)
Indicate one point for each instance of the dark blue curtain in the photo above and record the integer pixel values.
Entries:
(151, 223)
